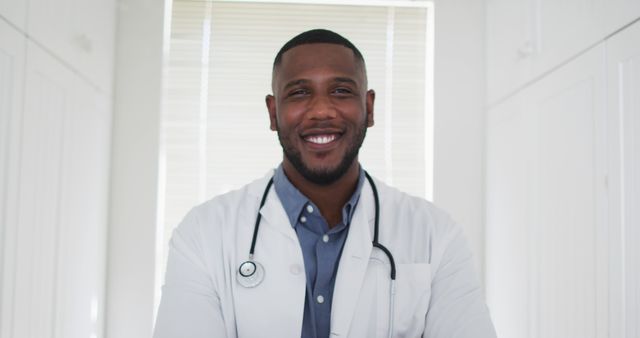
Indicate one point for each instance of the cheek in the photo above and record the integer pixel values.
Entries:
(290, 115)
(358, 113)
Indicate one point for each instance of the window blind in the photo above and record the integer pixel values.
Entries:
(215, 126)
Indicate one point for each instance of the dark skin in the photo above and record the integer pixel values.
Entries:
(320, 107)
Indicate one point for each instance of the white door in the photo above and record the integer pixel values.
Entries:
(12, 51)
(80, 32)
(546, 215)
(527, 39)
(623, 58)
(62, 204)
(511, 39)
(14, 11)
(619, 13)
(567, 208)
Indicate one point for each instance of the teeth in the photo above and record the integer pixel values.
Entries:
(321, 139)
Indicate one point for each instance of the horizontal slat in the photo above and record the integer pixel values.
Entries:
(224, 87)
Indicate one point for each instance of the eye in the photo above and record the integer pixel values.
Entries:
(298, 92)
(342, 91)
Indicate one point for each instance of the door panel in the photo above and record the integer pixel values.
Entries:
(546, 215)
(623, 56)
(62, 204)
(12, 45)
(14, 11)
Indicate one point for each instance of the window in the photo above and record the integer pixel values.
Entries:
(215, 125)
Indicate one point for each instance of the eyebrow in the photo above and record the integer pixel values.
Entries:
(335, 79)
(295, 83)
(345, 79)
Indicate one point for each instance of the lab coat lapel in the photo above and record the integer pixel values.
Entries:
(353, 264)
(274, 215)
(275, 307)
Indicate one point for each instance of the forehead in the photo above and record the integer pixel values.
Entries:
(318, 58)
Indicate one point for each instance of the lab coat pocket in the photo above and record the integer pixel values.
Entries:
(411, 301)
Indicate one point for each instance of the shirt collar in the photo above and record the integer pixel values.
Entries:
(294, 201)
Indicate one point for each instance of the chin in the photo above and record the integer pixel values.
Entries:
(319, 169)
(324, 175)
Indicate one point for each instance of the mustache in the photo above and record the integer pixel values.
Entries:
(322, 125)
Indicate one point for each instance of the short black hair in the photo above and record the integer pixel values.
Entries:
(317, 36)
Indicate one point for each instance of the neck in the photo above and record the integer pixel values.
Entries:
(330, 198)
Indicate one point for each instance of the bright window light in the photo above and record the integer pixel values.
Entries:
(215, 126)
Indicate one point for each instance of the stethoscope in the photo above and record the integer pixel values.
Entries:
(251, 273)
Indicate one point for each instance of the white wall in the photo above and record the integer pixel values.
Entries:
(562, 162)
(131, 288)
(55, 121)
(459, 116)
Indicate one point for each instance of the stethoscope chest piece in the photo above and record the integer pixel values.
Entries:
(250, 274)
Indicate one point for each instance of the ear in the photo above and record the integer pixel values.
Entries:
(371, 97)
(270, 100)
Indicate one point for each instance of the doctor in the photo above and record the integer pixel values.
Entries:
(318, 248)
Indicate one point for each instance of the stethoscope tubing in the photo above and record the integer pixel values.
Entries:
(376, 226)
(257, 225)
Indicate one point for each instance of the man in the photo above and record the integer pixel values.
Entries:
(313, 255)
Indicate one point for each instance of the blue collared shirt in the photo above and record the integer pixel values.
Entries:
(321, 250)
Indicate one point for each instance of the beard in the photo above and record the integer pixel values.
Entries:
(324, 176)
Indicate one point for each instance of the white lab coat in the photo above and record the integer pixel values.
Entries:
(437, 292)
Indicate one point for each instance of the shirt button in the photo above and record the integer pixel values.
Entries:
(320, 299)
(295, 269)
(303, 219)
(325, 238)
(309, 208)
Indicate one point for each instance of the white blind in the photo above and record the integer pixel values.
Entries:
(215, 126)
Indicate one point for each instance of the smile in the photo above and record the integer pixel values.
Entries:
(321, 139)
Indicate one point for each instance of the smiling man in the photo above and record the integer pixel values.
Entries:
(318, 248)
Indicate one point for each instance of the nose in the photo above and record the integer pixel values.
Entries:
(321, 108)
